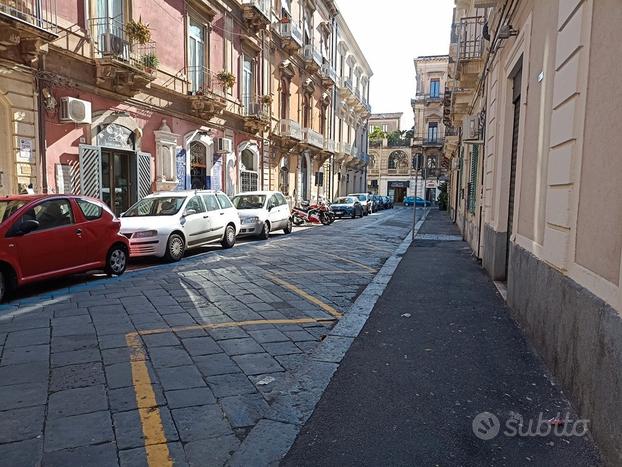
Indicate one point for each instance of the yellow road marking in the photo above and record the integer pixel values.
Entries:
(157, 451)
(310, 298)
(351, 261)
(150, 419)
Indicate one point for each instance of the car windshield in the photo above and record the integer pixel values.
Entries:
(7, 208)
(159, 206)
(344, 200)
(362, 197)
(249, 201)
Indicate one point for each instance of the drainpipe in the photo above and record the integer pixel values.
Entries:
(41, 126)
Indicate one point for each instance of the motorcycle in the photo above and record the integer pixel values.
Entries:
(314, 214)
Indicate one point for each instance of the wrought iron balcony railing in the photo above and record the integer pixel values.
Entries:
(111, 41)
(38, 13)
(471, 39)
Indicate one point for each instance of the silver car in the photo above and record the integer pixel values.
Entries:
(262, 212)
(366, 201)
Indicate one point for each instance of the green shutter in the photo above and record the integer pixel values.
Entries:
(473, 179)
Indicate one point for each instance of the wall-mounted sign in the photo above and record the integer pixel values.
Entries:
(25, 150)
(115, 136)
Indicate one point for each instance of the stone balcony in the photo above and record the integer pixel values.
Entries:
(290, 34)
(313, 139)
(328, 75)
(311, 57)
(256, 13)
(256, 114)
(205, 95)
(26, 27)
(122, 65)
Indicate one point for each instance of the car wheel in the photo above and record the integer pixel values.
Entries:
(116, 262)
(265, 232)
(228, 239)
(175, 248)
(288, 227)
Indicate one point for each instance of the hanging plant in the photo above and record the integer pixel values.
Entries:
(137, 31)
(267, 99)
(226, 78)
(150, 61)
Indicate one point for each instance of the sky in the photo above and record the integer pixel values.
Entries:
(391, 33)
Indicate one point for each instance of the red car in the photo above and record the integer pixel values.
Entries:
(45, 236)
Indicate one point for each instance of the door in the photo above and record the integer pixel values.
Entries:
(247, 82)
(109, 25)
(197, 223)
(196, 57)
(515, 127)
(92, 226)
(217, 220)
(5, 150)
(56, 245)
(304, 178)
(275, 213)
(116, 176)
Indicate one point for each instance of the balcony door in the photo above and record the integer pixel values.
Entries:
(196, 56)
(432, 132)
(247, 83)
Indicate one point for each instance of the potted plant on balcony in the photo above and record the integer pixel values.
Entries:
(226, 78)
(150, 62)
(137, 32)
(267, 99)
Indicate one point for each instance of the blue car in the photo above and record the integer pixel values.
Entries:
(410, 200)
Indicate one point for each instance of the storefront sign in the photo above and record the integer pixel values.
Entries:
(25, 150)
(399, 184)
(430, 184)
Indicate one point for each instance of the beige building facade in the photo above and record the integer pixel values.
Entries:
(534, 182)
(429, 130)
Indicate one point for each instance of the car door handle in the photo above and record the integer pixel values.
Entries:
(205, 216)
(78, 232)
(222, 213)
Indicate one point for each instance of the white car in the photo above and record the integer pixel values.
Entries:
(262, 212)
(165, 224)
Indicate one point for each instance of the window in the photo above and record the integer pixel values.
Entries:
(281, 198)
(385, 127)
(157, 206)
(249, 176)
(195, 204)
(432, 132)
(211, 202)
(90, 210)
(225, 203)
(273, 202)
(247, 83)
(472, 186)
(392, 162)
(435, 88)
(50, 214)
(196, 55)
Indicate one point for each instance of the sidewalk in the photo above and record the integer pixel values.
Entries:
(438, 349)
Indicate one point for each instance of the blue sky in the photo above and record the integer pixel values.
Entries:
(391, 33)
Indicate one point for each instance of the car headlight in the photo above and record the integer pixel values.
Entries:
(145, 234)
(250, 220)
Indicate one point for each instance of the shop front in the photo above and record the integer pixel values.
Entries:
(397, 190)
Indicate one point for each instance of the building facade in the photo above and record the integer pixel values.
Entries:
(116, 99)
(390, 170)
(429, 130)
(534, 184)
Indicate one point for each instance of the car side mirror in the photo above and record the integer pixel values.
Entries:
(122, 214)
(270, 207)
(26, 227)
(189, 212)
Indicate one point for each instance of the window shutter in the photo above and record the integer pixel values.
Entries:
(143, 174)
(90, 171)
(473, 178)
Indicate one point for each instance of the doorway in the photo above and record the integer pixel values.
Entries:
(118, 173)
(399, 193)
(304, 178)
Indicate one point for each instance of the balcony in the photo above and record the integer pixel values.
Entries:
(430, 139)
(205, 94)
(312, 138)
(329, 146)
(256, 13)
(256, 114)
(122, 66)
(26, 26)
(471, 39)
(328, 75)
(289, 129)
(290, 34)
(311, 57)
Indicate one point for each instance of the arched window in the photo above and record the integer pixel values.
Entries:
(284, 176)
(372, 161)
(249, 171)
(393, 160)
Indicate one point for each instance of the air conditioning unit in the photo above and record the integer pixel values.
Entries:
(471, 129)
(224, 145)
(75, 110)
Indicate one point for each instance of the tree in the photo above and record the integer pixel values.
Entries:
(377, 133)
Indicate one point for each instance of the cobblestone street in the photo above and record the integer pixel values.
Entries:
(200, 362)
